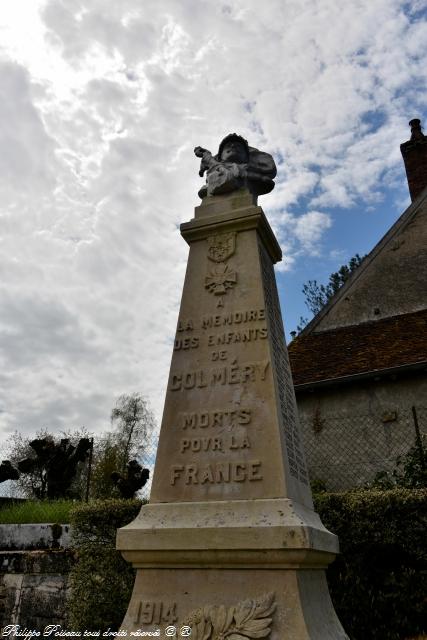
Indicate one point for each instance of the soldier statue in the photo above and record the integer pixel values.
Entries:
(236, 166)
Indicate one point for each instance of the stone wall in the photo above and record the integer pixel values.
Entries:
(34, 587)
(34, 584)
(353, 431)
(24, 537)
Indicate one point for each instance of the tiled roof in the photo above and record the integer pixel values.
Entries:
(358, 349)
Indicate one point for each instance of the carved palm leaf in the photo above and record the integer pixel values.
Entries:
(249, 619)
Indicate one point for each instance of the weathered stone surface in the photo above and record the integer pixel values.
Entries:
(41, 561)
(223, 428)
(354, 416)
(231, 517)
(34, 587)
(34, 536)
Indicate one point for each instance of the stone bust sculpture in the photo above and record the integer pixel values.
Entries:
(236, 166)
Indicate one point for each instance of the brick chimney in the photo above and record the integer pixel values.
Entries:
(414, 153)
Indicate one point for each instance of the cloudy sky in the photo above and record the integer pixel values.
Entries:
(102, 104)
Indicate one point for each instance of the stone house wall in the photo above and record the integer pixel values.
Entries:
(353, 431)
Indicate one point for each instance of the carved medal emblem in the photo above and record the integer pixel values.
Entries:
(247, 619)
(221, 246)
(221, 277)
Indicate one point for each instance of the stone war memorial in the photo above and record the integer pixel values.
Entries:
(229, 545)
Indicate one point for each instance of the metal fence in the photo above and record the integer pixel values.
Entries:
(147, 460)
(344, 451)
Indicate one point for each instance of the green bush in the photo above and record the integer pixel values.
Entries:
(410, 470)
(378, 583)
(101, 581)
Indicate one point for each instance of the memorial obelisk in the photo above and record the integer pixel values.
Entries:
(229, 545)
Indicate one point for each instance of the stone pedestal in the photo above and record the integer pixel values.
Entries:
(230, 545)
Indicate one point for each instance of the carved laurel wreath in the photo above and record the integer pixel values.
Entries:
(248, 619)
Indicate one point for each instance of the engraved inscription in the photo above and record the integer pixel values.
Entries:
(201, 449)
(201, 444)
(241, 442)
(185, 325)
(196, 445)
(149, 612)
(204, 419)
(219, 355)
(248, 335)
(216, 473)
(283, 373)
(228, 374)
(241, 334)
(234, 317)
(186, 343)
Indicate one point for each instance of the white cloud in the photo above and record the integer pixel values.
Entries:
(309, 229)
(100, 114)
(27, 161)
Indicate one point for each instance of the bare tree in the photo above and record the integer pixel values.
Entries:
(317, 295)
(133, 423)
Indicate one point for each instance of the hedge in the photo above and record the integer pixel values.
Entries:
(101, 581)
(377, 584)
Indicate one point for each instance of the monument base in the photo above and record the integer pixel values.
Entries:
(236, 569)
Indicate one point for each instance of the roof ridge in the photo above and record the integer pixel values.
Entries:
(402, 221)
(361, 324)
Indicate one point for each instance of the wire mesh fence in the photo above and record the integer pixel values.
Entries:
(345, 451)
(148, 460)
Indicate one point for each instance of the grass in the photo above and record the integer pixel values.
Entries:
(33, 511)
